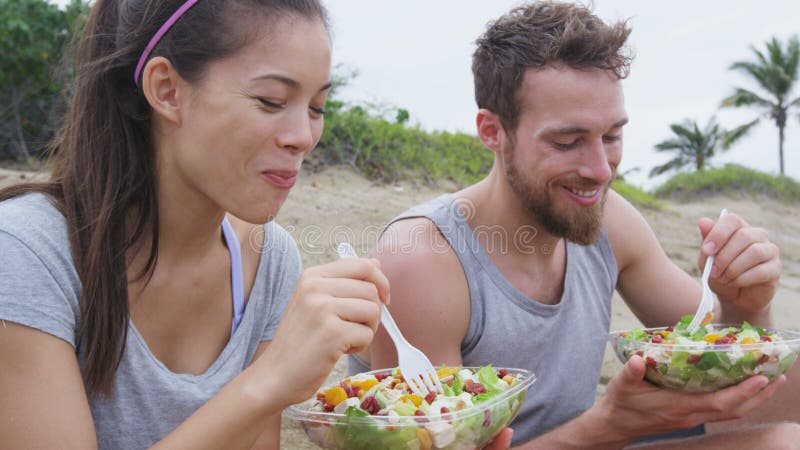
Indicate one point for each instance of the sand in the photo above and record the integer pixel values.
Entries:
(337, 204)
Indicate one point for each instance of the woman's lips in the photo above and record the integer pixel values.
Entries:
(281, 178)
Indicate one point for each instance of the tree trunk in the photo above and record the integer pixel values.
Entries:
(780, 146)
(700, 162)
(16, 100)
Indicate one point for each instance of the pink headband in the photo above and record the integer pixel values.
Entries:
(159, 34)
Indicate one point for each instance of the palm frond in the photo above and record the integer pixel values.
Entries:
(668, 145)
(675, 163)
(731, 136)
(743, 97)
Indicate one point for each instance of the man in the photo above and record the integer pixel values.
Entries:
(519, 269)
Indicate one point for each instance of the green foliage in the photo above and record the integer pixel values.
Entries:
(694, 147)
(731, 180)
(775, 72)
(381, 144)
(33, 37)
(635, 195)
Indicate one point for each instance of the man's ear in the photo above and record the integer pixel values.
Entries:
(163, 88)
(490, 130)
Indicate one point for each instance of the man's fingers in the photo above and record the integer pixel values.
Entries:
(715, 403)
(633, 371)
(722, 231)
(737, 401)
(502, 441)
(750, 258)
(737, 247)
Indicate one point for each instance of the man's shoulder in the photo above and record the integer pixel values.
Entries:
(414, 240)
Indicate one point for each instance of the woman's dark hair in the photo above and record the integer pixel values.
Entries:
(535, 36)
(104, 174)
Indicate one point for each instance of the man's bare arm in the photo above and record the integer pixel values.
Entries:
(429, 294)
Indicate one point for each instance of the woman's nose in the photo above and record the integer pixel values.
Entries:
(296, 133)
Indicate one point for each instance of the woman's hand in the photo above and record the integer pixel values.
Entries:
(335, 310)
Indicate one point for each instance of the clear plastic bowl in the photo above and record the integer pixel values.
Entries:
(469, 428)
(706, 368)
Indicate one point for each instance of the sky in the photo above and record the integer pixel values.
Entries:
(416, 55)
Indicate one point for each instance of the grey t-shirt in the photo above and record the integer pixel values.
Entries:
(40, 288)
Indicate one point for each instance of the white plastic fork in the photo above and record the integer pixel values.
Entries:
(416, 368)
(707, 300)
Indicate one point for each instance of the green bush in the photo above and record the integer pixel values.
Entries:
(33, 37)
(732, 180)
(635, 195)
(390, 149)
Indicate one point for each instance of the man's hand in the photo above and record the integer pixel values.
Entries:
(633, 408)
(502, 441)
(746, 264)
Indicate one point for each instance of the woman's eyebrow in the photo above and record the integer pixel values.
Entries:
(290, 82)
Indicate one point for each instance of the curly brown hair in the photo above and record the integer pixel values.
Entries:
(537, 35)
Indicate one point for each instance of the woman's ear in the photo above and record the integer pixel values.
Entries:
(163, 88)
(490, 130)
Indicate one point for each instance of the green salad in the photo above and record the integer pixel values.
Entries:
(711, 358)
(378, 410)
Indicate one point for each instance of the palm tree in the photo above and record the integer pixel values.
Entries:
(776, 73)
(694, 146)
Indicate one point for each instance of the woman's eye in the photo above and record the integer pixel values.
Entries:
(317, 112)
(612, 139)
(269, 104)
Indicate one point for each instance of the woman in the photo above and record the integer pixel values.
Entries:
(135, 312)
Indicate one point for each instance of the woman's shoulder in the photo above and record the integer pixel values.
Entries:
(265, 239)
(33, 218)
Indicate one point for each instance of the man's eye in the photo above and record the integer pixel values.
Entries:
(566, 146)
(611, 139)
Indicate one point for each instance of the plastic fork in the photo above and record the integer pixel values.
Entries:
(707, 300)
(416, 368)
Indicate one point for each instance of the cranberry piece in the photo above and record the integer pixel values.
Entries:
(657, 339)
(370, 405)
(651, 362)
(430, 397)
(766, 338)
(475, 388)
(487, 417)
(380, 376)
(328, 407)
(501, 373)
(420, 419)
(444, 410)
(670, 329)
(764, 358)
(347, 389)
(692, 359)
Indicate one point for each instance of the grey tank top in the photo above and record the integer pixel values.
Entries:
(563, 344)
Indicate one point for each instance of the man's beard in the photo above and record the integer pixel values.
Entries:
(582, 226)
